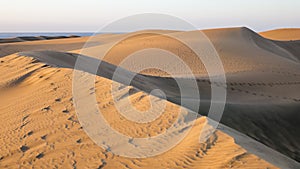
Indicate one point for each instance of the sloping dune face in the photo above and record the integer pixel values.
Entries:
(288, 39)
(40, 129)
(282, 34)
(262, 80)
(249, 48)
(240, 49)
(272, 62)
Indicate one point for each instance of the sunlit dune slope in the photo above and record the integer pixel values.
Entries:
(40, 128)
(282, 34)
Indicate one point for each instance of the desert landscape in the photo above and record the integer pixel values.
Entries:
(259, 127)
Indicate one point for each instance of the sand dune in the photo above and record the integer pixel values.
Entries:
(261, 78)
(262, 102)
(238, 48)
(58, 44)
(34, 38)
(47, 134)
(252, 100)
(282, 34)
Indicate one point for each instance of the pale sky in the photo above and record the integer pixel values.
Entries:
(90, 15)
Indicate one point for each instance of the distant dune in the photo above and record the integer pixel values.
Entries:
(259, 126)
(53, 44)
(282, 34)
(34, 38)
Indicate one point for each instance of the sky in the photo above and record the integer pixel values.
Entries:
(91, 15)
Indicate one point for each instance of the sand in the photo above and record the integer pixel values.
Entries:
(33, 38)
(40, 127)
(291, 34)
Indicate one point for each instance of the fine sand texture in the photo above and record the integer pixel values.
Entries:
(259, 126)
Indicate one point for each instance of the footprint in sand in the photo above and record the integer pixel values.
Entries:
(40, 155)
(24, 148)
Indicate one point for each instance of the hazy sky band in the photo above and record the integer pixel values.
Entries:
(90, 15)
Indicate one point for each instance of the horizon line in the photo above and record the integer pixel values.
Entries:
(225, 27)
